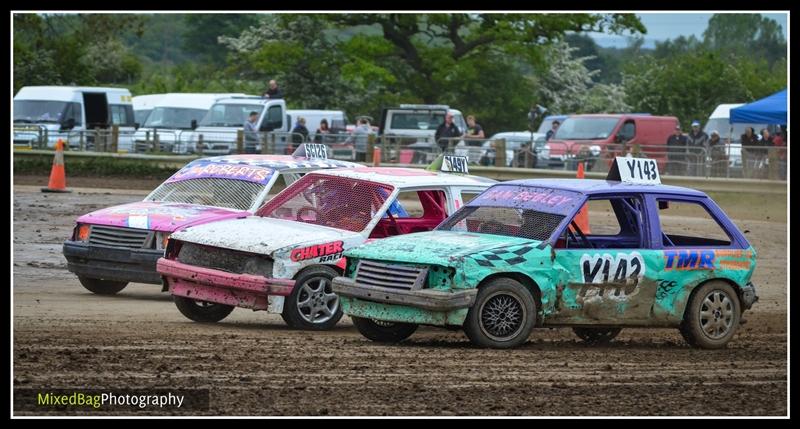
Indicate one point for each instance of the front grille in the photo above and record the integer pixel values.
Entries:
(119, 237)
(408, 277)
(224, 260)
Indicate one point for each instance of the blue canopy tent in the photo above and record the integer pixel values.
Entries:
(769, 110)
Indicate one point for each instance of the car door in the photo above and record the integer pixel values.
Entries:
(695, 247)
(606, 272)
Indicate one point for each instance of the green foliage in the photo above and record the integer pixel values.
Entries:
(690, 85)
(82, 49)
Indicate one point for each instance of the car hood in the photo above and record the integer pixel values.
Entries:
(159, 216)
(446, 248)
(262, 235)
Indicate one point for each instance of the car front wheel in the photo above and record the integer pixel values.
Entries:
(312, 304)
(383, 332)
(202, 311)
(503, 315)
(595, 336)
(102, 287)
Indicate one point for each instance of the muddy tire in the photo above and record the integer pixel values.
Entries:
(384, 332)
(712, 316)
(312, 304)
(596, 336)
(102, 287)
(201, 311)
(503, 315)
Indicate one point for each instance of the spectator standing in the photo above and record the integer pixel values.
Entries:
(749, 151)
(273, 92)
(697, 142)
(676, 149)
(251, 132)
(300, 132)
(359, 138)
(552, 131)
(447, 130)
(474, 129)
(719, 160)
(319, 135)
(764, 147)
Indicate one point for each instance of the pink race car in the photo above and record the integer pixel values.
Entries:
(114, 246)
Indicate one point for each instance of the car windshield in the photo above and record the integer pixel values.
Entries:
(209, 191)
(38, 111)
(140, 116)
(173, 117)
(416, 120)
(331, 201)
(586, 128)
(725, 129)
(545, 126)
(508, 221)
(229, 115)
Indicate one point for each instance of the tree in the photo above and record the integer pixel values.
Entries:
(78, 49)
(741, 35)
(429, 45)
(202, 32)
(690, 85)
(567, 86)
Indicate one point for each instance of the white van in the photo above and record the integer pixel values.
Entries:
(337, 120)
(63, 112)
(419, 121)
(171, 117)
(729, 133)
(143, 105)
(220, 125)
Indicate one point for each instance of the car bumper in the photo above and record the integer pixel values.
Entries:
(112, 263)
(748, 295)
(426, 299)
(221, 287)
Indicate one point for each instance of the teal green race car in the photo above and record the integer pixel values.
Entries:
(522, 254)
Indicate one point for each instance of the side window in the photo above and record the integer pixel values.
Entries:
(467, 196)
(609, 223)
(273, 118)
(627, 132)
(419, 204)
(689, 223)
(120, 114)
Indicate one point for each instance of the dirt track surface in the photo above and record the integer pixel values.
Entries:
(66, 337)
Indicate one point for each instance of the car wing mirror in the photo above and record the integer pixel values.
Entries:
(663, 205)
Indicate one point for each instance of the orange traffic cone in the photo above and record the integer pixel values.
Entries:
(58, 176)
(376, 157)
(582, 218)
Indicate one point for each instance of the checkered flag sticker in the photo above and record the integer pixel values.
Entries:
(511, 255)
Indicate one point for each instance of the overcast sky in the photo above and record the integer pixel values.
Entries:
(662, 26)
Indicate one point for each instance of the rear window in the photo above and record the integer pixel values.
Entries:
(416, 120)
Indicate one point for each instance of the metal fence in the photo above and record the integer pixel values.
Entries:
(729, 160)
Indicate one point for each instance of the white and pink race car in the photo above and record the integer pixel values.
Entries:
(283, 258)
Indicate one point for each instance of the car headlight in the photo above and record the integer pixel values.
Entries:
(81, 232)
